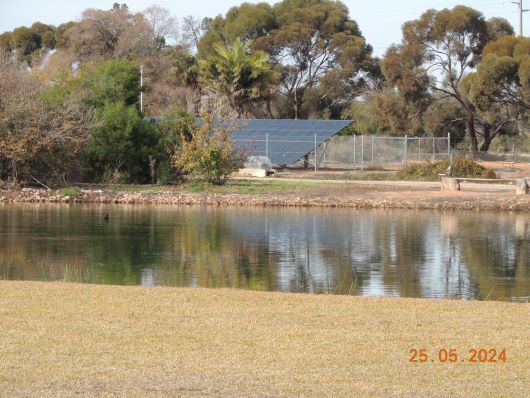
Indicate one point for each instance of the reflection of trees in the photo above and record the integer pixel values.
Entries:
(312, 250)
(497, 257)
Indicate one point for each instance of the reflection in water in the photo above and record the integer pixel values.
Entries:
(360, 252)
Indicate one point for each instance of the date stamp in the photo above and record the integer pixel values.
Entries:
(452, 355)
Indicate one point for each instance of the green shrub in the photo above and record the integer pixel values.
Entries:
(120, 145)
(461, 167)
(72, 192)
(209, 153)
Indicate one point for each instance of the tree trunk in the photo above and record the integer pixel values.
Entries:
(295, 103)
(269, 109)
(487, 138)
(470, 127)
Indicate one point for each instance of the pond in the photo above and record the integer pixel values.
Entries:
(479, 256)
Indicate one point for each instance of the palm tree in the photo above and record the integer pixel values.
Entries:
(238, 74)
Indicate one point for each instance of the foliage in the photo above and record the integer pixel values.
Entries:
(113, 80)
(466, 168)
(175, 127)
(121, 144)
(436, 53)
(500, 87)
(114, 33)
(444, 116)
(28, 41)
(209, 154)
(315, 44)
(364, 118)
(37, 144)
(238, 74)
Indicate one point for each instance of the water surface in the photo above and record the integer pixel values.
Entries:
(360, 252)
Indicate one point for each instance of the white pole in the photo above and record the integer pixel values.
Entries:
(267, 145)
(354, 150)
(141, 88)
(362, 152)
(433, 149)
(372, 149)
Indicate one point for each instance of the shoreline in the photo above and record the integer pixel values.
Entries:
(363, 195)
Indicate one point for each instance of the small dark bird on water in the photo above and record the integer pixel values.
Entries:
(106, 218)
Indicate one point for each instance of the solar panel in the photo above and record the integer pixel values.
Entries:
(288, 140)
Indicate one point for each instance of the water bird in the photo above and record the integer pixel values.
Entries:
(106, 218)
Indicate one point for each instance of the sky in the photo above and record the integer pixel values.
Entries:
(380, 21)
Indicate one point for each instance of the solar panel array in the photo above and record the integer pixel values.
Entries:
(284, 141)
(288, 140)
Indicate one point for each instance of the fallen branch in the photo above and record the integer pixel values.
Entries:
(40, 183)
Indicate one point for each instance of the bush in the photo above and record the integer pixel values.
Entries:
(209, 153)
(121, 145)
(466, 168)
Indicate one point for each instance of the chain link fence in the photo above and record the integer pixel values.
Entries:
(356, 152)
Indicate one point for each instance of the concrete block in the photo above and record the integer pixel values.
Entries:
(450, 184)
(253, 172)
(521, 186)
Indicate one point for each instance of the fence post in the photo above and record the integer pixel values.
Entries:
(362, 152)
(372, 149)
(354, 137)
(419, 149)
(267, 144)
(406, 139)
(315, 152)
(433, 149)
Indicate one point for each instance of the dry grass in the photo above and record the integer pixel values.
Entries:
(86, 340)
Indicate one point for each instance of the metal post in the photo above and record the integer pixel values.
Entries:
(433, 149)
(419, 149)
(362, 152)
(267, 144)
(406, 139)
(141, 88)
(315, 152)
(372, 149)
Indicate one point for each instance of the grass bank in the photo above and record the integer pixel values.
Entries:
(87, 340)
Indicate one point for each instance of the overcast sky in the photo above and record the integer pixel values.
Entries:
(380, 21)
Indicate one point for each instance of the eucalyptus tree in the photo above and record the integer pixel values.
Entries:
(438, 50)
(318, 45)
(500, 87)
(318, 48)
